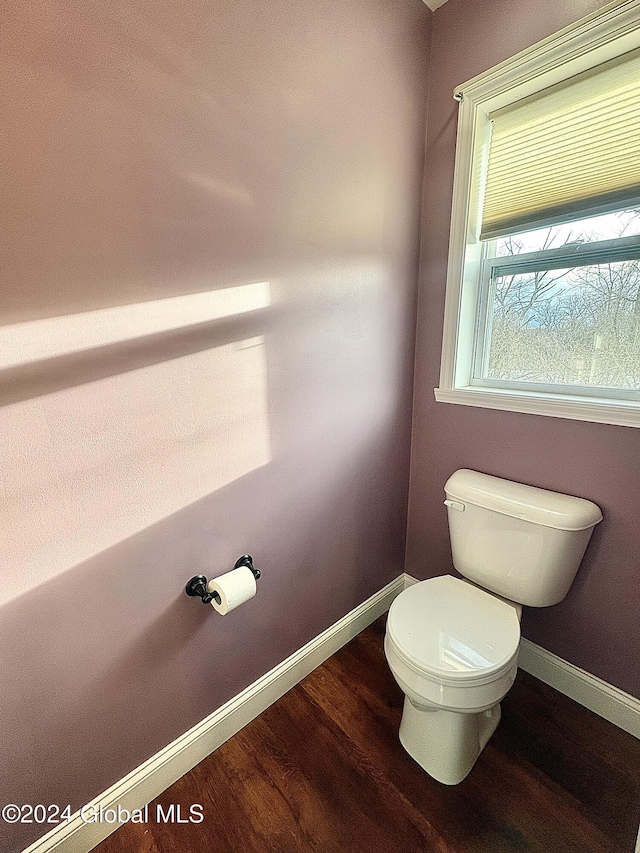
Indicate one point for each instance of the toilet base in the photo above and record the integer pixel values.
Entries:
(446, 744)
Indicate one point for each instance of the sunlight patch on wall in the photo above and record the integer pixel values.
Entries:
(227, 192)
(86, 467)
(23, 343)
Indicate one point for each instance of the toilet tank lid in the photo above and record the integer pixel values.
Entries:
(539, 506)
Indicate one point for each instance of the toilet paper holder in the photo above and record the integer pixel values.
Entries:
(197, 586)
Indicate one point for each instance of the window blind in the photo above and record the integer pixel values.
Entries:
(571, 151)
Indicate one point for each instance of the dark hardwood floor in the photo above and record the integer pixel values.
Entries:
(323, 770)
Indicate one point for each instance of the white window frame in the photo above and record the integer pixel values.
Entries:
(592, 41)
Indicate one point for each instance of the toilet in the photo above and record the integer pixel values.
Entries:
(451, 643)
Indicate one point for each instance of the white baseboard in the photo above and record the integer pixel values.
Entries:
(153, 777)
(588, 690)
(604, 699)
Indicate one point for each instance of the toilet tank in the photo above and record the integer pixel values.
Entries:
(523, 543)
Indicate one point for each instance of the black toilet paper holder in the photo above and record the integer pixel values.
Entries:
(197, 586)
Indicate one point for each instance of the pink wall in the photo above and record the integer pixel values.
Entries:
(597, 626)
(268, 156)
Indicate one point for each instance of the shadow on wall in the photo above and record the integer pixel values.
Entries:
(163, 161)
(104, 441)
(40, 346)
(109, 661)
(121, 486)
(171, 419)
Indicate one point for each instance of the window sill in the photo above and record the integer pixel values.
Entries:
(600, 411)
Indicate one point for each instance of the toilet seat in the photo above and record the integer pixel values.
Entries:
(453, 633)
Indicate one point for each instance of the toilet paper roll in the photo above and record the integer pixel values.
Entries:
(234, 588)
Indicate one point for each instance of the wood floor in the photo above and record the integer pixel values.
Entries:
(323, 770)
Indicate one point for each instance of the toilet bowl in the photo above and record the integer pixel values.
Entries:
(453, 649)
(451, 644)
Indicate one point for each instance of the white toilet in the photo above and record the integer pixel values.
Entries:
(452, 645)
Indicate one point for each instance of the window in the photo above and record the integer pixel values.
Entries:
(543, 289)
(560, 308)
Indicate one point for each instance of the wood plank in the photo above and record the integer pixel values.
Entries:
(322, 771)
